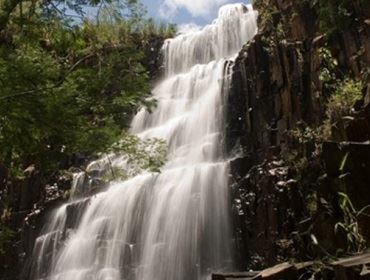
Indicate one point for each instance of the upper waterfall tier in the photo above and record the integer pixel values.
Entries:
(236, 24)
(172, 225)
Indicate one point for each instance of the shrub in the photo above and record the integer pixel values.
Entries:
(341, 102)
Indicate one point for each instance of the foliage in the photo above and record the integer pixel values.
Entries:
(334, 15)
(341, 102)
(266, 11)
(270, 19)
(343, 162)
(139, 155)
(115, 173)
(68, 88)
(306, 134)
(55, 104)
(20, 11)
(149, 154)
(328, 69)
(149, 28)
(349, 226)
(340, 93)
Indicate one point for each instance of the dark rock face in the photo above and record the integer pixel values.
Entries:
(276, 88)
(268, 207)
(271, 92)
(29, 198)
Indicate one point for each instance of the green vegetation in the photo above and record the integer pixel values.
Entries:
(69, 87)
(141, 155)
(342, 97)
(335, 15)
(339, 105)
(341, 102)
(329, 65)
(149, 28)
(149, 154)
(349, 226)
(266, 11)
(56, 104)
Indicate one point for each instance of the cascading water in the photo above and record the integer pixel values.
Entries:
(173, 225)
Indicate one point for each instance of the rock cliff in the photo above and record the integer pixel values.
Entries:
(291, 160)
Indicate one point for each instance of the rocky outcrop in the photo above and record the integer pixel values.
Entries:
(26, 201)
(285, 190)
(268, 208)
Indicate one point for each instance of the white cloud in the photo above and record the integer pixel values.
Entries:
(197, 8)
(188, 27)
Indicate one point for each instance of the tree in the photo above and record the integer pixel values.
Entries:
(69, 87)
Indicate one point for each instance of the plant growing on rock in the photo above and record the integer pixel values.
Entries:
(149, 154)
(341, 103)
(349, 226)
(329, 67)
(139, 155)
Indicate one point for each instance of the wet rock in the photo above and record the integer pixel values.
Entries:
(52, 193)
(276, 88)
(31, 188)
(74, 211)
(65, 180)
(267, 209)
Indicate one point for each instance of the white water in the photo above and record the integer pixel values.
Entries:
(169, 226)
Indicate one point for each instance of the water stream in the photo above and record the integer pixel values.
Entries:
(174, 225)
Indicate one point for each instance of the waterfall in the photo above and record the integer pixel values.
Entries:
(173, 225)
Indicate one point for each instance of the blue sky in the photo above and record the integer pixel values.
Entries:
(185, 12)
